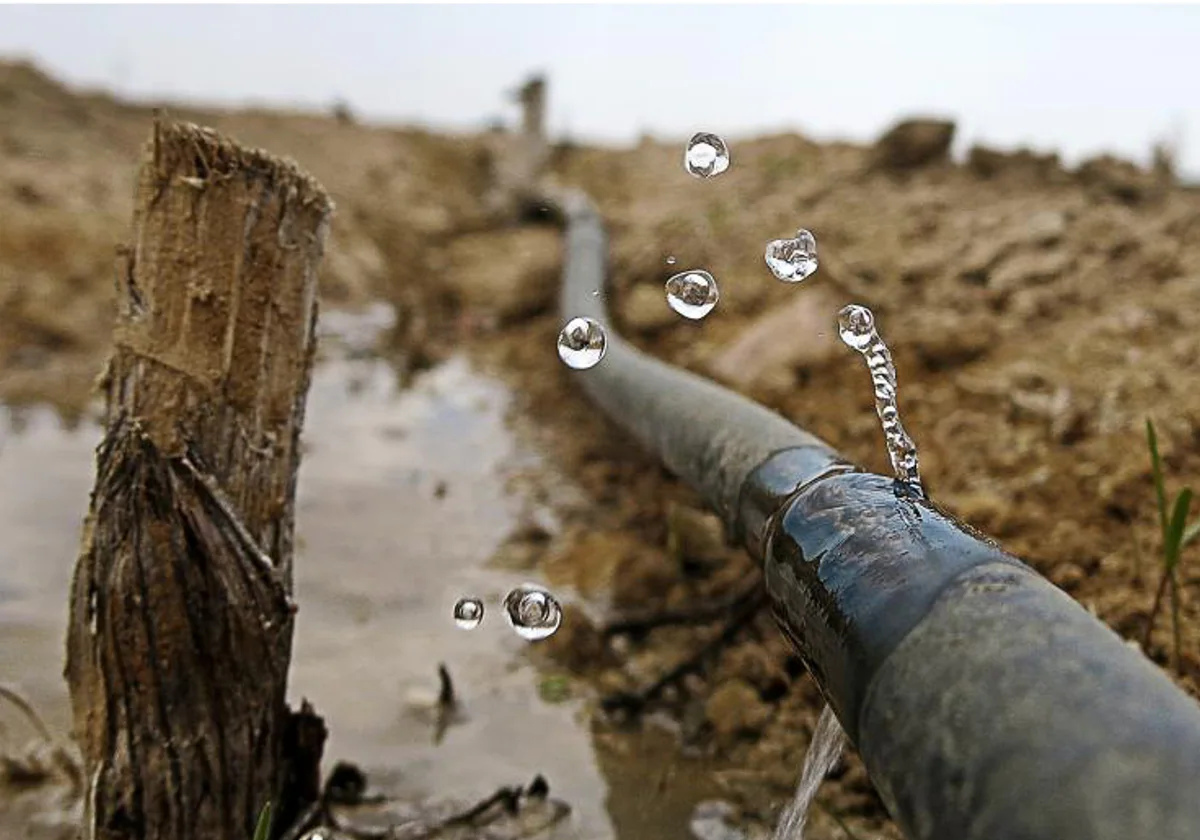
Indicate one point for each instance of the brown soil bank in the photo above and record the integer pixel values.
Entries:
(1037, 318)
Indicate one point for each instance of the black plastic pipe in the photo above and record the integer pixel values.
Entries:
(986, 703)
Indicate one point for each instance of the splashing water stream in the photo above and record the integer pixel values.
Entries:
(824, 750)
(856, 325)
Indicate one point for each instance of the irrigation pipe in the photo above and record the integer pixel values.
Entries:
(985, 703)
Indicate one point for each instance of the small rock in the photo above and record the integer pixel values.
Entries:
(1109, 230)
(1118, 178)
(914, 143)
(1029, 269)
(800, 334)
(578, 644)
(641, 579)
(509, 274)
(591, 561)
(1067, 576)
(754, 664)
(987, 162)
(695, 538)
(645, 309)
(944, 341)
(1159, 259)
(1046, 227)
(984, 509)
(981, 257)
(922, 265)
(734, 709)
(715, 820)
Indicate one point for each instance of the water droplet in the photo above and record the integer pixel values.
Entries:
(582, 343)
(692, 294)
(595, 293)
(856, 325)
(670, 261)
(533, 612)
(793, 260)
(706, 155)
(468, 613)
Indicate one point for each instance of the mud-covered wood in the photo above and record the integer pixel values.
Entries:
(181, 615)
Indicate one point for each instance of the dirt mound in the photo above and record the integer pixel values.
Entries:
(1037, 317)
(67, 167)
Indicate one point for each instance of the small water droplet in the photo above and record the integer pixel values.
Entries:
(595, 293)
(706, 155)
(468, 613)
(582, 343)
(533, 612)
(793, 260)
(692, 294)
(670, 261)
(856, 326)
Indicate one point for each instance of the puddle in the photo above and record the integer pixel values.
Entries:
(46, 475)
(403, 497)
(401, 502)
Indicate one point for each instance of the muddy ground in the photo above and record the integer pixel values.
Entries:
(1037, 316)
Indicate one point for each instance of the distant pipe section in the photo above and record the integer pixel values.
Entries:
(986, 703)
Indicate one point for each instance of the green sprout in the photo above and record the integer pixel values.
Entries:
(263, 830)
(555, 689)
(1176, 535)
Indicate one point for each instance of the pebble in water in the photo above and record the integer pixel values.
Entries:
(582, 343)
(793, 260)
(533, 612)
(692, 294)
(706, 155)
(468, 613)
(856, 325)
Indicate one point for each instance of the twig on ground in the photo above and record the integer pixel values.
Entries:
(635, 701)
(665, 618)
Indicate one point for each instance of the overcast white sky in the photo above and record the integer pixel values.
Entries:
(1081, 79)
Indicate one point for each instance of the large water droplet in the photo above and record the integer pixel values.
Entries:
(856, 326)
(582, 343)
(793, 260)
(692, 294)
(468, 613)
(706, 155)
(533, 612)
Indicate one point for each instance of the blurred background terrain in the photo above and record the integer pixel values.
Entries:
(1036, 271)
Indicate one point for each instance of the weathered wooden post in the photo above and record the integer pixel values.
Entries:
(519, 160)
(181, 623)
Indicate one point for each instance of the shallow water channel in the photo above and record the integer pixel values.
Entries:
(404, 497)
